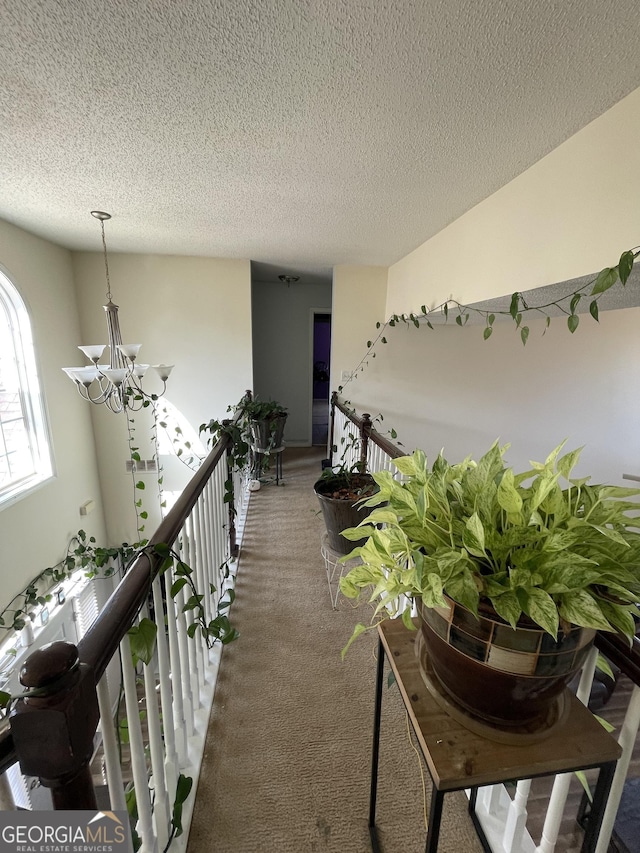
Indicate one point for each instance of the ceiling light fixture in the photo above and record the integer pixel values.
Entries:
(119, 384)
(289, 279)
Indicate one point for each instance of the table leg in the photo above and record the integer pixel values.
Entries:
(373, 832)
(435, 815)
(600, 796)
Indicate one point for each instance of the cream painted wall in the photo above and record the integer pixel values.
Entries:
(450, 388)
(359, 294)
(572, 213)
(191, 312)
(283, 349)
(35, 530)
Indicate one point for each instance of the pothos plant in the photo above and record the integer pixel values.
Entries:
(540, 544)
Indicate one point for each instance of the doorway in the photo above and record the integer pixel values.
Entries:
(321, 382)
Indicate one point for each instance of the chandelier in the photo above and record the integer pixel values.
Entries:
(117, 385)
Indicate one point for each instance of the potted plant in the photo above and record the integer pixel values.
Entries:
(512, 574)
(264, 421)
(340, 492)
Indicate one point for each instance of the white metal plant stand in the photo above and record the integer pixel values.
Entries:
(334, 568)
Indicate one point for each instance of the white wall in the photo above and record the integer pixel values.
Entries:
(35, 530)
(450, 388)
(571, 214)
(359, 294)
(191, 312)
(283, 348)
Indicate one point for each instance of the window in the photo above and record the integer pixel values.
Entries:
(25, 457)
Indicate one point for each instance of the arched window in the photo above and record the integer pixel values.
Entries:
(25, 456)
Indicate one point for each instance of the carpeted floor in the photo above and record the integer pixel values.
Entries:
(287, 762)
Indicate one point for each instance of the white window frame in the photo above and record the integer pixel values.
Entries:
(22, 353)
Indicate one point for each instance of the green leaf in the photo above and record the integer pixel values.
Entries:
(473, 536)
(445, 310)
(359, 629)
(142, 639)
(183, 789)
(140, 485)
(515, 304)
(625, 265)
(5, 698)
(487, 332)
(606, 279)
(542, 609)
(572, 322)
(524, 334)
(177, 585)
(581, 609)
(593, 310)
(459, 319)
(574, 302)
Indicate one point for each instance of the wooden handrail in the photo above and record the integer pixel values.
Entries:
(63, 677)
(101, 641)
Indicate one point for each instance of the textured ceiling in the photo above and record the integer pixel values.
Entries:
(297, 133)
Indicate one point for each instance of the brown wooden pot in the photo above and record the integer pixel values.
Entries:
(507, 677)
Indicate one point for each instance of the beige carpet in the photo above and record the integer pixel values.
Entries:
(287, 762)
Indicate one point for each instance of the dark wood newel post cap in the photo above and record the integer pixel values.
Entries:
(47, 665)
(53, 724)
(366, 416)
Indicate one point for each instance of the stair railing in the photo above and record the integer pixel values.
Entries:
(69, 691)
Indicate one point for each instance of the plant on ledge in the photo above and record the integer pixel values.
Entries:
(484, 551)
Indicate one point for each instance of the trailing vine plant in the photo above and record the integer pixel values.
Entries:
(519, 309)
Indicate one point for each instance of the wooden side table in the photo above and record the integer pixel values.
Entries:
(458, 758)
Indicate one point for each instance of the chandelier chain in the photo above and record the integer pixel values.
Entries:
(106, 263)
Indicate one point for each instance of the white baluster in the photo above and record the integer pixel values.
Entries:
(7, 803)
(176, 674)
(201, 571)
(516, 817)
(558, 798)
(194, 649)
(138, 764)
(110, 748)
(164, 673)
(490, 798)
(183, 651)
(161, 808)
(627, 739)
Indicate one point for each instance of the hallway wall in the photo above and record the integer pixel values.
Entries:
(283, 348)
(35, 530)
(188, 311)
(450, 388)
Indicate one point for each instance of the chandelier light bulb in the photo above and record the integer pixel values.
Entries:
(93, 352)
(130, 350)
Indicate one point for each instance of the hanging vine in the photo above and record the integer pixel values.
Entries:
(519, 309)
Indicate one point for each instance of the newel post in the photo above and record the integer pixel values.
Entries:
(332, 418)
(365, 431)
(54, 723)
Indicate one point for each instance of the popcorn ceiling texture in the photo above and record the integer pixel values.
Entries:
(293, 132)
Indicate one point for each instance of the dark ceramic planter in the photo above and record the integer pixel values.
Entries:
(339, 513)
(268, 433)
(508, 678)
